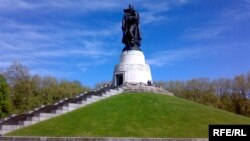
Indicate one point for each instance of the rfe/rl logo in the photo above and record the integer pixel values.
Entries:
(229, 132)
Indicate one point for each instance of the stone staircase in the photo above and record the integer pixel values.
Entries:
(15, 122)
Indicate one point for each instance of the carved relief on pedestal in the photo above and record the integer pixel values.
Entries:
(125, 67)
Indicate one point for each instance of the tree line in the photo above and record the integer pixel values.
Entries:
(228, 94)
(20, 91)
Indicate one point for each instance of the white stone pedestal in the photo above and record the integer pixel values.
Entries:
(132, 69)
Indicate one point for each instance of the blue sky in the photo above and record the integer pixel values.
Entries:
(81, 39)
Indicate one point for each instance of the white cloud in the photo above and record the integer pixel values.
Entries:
(84, 66)
(5, 45)
(153, 12)
(168, 57)
(204, 33)
(94, 49)
(150, 17)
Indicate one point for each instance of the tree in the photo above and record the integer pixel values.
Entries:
(50, 90)
(18, 78)
(4, 97)
(223, 89)
(16, 73)
(248, 84)
(173, 86)
(240, 87)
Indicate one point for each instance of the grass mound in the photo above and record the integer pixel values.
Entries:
(136, 115)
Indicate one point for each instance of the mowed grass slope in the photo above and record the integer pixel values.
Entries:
(136, 115)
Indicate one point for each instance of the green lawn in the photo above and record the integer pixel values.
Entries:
(135, 115)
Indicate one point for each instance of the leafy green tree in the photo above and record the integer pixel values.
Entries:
(5, 105)
(50, 90)
(19, 80)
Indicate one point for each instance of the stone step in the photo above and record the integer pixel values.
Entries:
(27, 122)
(41, 116)
(82, 103)
(45, 115)
(96, 97)
(107, 95)
(110, 93)
(10, 127)
(72, 105)
(58, 111)
(4, 132)
(66, 108)
(113, 90)
(89, 101)
(37, 118)
(4, 129)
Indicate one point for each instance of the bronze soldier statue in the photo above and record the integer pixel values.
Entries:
(130, 27)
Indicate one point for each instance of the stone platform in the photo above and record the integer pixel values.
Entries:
(142, 87)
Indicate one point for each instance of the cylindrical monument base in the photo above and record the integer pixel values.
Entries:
(132, 69)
